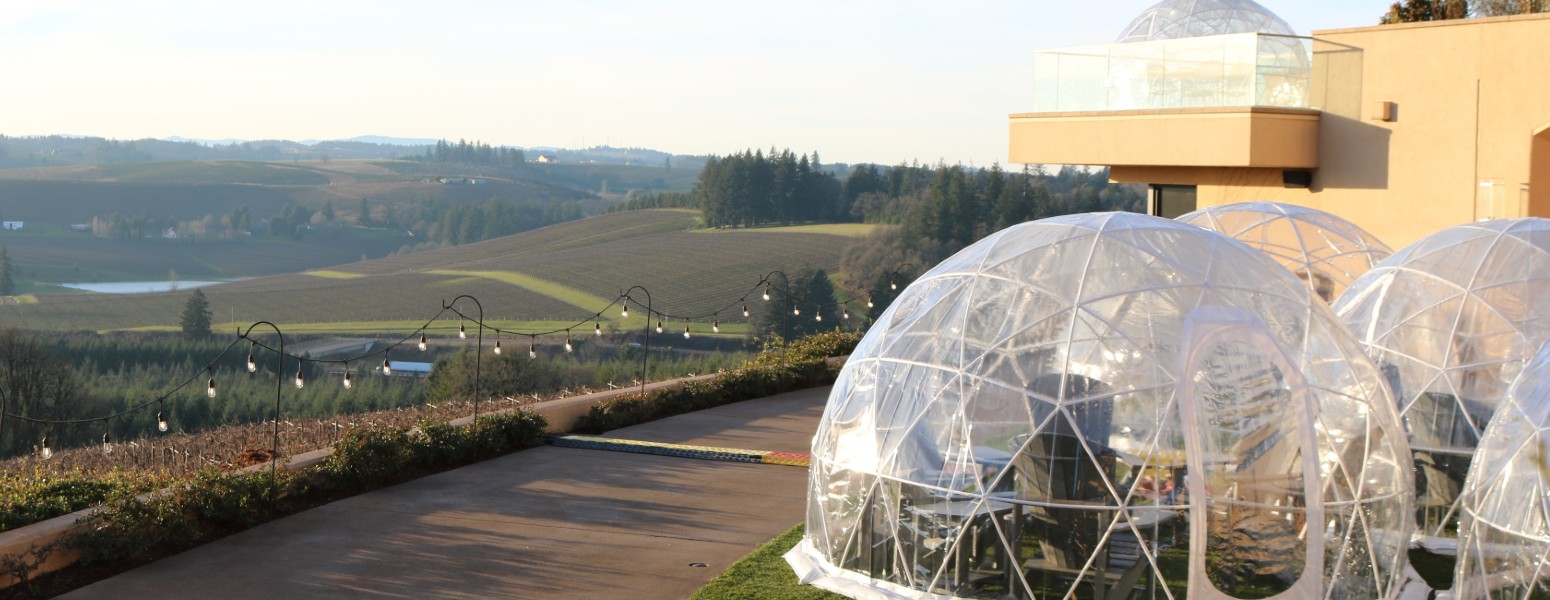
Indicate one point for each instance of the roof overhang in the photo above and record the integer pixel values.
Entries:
(1238, 136)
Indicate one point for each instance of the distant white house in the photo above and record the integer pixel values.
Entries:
(81, 227)
(545, 158)
(11, 225)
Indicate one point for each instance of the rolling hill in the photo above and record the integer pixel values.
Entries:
(553, 276)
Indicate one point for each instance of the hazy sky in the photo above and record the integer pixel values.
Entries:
(868, 81)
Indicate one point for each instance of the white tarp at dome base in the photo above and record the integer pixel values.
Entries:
(1324, 250)
(1111, 406)
(1504, 525)
(1451, 320)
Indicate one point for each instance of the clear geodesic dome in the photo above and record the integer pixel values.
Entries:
(1504, 524)
(1174, 19)
(1324, 250)
(1451, 320)
(1107, 405)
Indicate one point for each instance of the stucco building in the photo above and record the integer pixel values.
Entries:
(1402, 129)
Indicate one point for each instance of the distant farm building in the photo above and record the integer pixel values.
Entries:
(11, 225)
(81, 227)
(545, 158)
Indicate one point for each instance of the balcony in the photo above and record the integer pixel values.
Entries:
(1238, 100)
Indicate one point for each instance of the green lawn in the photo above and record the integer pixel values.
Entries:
(763, 575)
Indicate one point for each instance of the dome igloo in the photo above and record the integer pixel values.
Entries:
(1504, 524)
(1107, 405)
(1324, 250)
(1174, 19)
(1451, 320)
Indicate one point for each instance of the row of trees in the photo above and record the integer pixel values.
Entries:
(7, 277)
(1412, 11)
(473, 153)
(468, 223)
(749, 189)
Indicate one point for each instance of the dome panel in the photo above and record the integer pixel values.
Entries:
(1174, 19)
(1326, 251)
(1502, 539)
(1450, 321)
(1021, 422)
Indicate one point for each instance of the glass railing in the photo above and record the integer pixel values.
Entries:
(1241, 69)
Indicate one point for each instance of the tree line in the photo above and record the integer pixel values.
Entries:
(750, 189)
(473, 153)
(1412, 11)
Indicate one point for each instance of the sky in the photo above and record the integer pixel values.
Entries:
(862, 81)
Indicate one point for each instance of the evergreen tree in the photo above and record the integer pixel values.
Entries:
(7, 278)
(196, 316)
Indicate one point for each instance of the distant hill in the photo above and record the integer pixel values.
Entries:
(556, 275)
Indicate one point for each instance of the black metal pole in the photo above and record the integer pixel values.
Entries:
(646, 346)
(279, 384)
(478, 356)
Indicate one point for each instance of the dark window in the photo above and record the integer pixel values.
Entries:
(1170, 201)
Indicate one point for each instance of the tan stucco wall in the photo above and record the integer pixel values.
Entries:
(1470, 95)
(1235, 137)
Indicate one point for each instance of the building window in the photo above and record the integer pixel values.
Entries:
(1170, 201)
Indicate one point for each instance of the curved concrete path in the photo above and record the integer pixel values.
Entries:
(543, 523)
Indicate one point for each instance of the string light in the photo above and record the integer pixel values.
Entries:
(47, 452)
(299, 381)
(766, 293)
(892, 285)
(161, 421)
(869, 303)
(462, 332)
(626, 312)
(497, 347)
(795, 310)
(347, 383)
(424, 343)
(659, 326)
(107, 444)
(845, 315)
(818, 316)
(597, 328)
(745, 311)
(387, 367)
(210, 387)
(532, 350)
(686, 332)
(715, 326)
(568, 347)
(252, 364)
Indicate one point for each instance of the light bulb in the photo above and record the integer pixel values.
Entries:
(161, 422)
(659, 327)
(387, 367)
(347, 383)
(497, 346)
(845, 315)
(462, 332)
(715, 326)
(210, 389)
(745, 310)
(686, 332)
(818, 316)
(107, 444)
(597, 329)
(299, 381)
(252, 364)
(568, 347)
(869, 303)
(796, 311)
(625, 313)
(893, 285)
(532, 351)
(47, 452)
(423, 343)
(766, 293)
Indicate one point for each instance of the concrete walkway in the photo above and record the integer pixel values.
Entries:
(544, 523)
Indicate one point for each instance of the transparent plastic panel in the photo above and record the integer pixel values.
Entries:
(1014, 426)
(1325, 251)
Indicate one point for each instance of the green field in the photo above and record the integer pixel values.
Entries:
(548, 278)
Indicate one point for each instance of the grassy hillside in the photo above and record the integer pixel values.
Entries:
(558, 274)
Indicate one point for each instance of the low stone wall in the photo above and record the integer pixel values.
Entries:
(24, 543)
